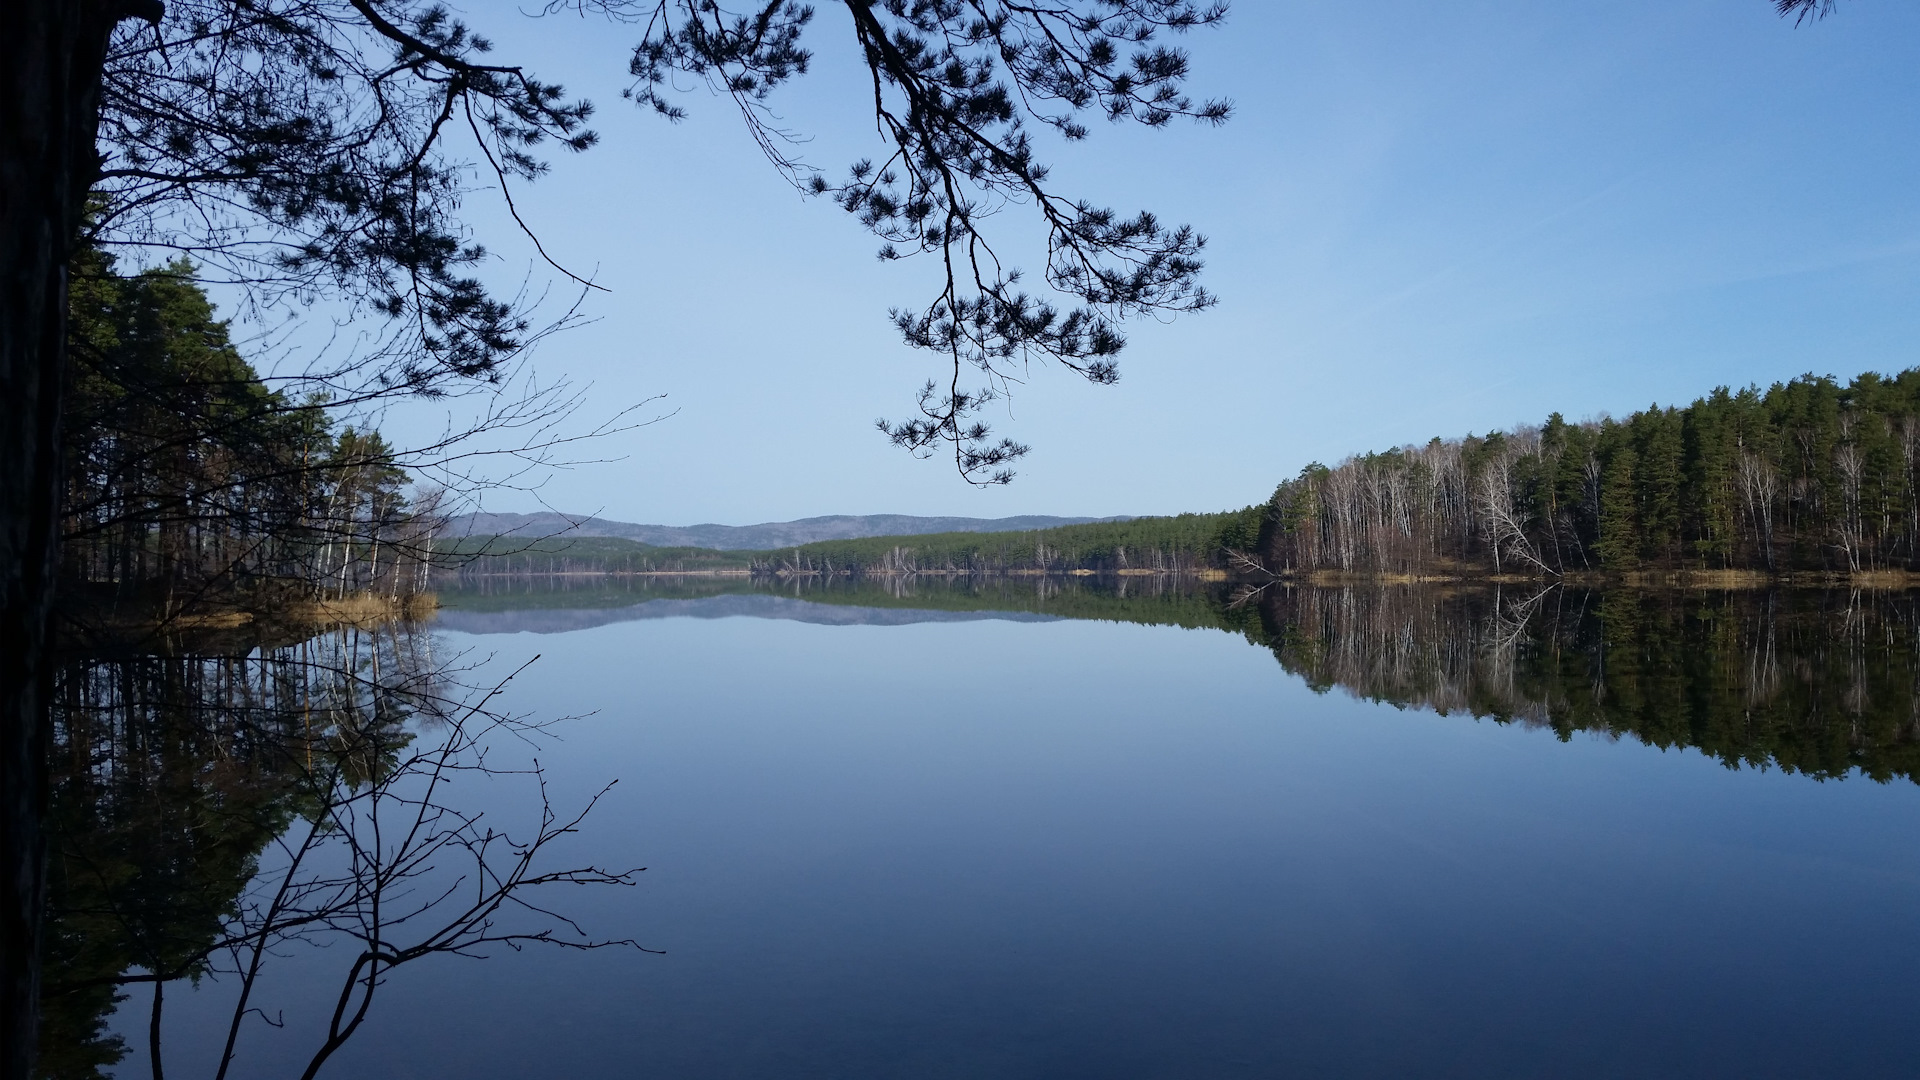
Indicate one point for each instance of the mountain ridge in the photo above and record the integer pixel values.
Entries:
(762, 537)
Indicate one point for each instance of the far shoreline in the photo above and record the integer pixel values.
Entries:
(1712, 580)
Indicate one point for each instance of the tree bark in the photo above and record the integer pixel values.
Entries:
(51, 53)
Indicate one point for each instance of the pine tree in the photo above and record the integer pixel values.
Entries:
(1657, 476)
(1619, 542)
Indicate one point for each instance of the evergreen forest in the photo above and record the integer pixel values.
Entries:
(192, 482)
(1806, 476)
(1182, 543)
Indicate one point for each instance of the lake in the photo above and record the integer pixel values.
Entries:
(1139, 828)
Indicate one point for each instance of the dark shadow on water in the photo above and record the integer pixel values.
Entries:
(215, 812)
(1816, 682)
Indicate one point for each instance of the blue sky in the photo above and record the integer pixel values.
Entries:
(1424, 220)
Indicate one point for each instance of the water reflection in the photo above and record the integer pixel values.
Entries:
(1813, 682)
(1818, 682)
(500, 605)
(215, 806)
(209, 811)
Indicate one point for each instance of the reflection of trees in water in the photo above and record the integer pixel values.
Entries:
(211, 811)
(1814, 682)
(1157, 599)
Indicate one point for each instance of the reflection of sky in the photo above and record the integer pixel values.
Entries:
(708, 607)
(1426, 219)
(1094, 849)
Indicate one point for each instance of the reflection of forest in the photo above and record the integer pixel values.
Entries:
(1816, 682)
(1154, 600)
(174, 775)
(212, 810)
(171, 776)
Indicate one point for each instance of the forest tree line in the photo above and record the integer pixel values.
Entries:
(1181, 543)
(1808, 475)
(1176, 544)
(508, 556)
(190, 479)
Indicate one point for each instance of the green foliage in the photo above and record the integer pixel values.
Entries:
(1186, 541)
(188, 477)
(481, 555)
(1657, 475)
(1293, 508)
(1183, 542)
(1807, 475)
(1619, 542)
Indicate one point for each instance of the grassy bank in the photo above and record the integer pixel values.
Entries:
(92, 625)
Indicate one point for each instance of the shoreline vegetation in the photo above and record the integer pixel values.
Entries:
(199, 499)
(87, 630)
(201, 502)
(1687, 579)
(1805, 477)
(1185, 543)
(358, 609)
(1809, 483)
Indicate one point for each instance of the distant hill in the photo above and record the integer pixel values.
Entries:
(765, 537)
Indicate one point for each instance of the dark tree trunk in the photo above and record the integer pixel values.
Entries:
(34, 216)
(51, 53)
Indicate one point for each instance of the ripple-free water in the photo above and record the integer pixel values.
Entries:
(988, 847)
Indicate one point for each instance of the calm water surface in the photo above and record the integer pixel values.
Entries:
(903, 836)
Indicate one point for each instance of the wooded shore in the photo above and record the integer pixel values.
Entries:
(1639, 579)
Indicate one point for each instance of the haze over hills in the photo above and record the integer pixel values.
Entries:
(763, 537)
